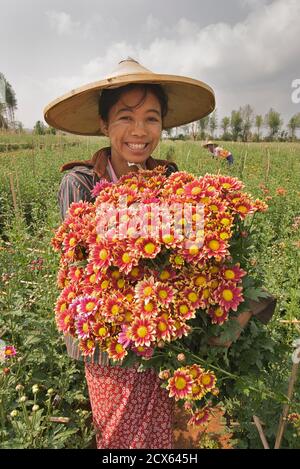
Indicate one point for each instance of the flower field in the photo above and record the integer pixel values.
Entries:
(43, 396)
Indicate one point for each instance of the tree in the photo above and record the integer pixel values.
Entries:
(194, 129)
(247, 121)
(39, 128)
(236, 122)
(52, 131)
(3, 121)
(168, 132)
(225, 123)
(213, 123)
(274, 122)
(258, 124)
(293, 125)
(11, 101)
(203, 124)
(18, 126)
(8, 98)
(186, 129)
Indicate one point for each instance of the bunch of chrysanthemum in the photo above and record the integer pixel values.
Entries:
(138, 264)
(191, 383)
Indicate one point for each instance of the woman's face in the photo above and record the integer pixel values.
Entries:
(134, 129)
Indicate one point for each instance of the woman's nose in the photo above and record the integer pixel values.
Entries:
(138, 128)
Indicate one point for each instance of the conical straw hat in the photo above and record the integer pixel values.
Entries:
(78, 111)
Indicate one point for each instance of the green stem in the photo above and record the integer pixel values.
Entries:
(272, 395)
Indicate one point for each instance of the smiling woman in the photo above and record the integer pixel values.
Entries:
(133, 124)
(130, 409)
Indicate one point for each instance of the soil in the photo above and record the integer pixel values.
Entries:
(188, 436)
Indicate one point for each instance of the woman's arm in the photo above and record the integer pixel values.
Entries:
(71, 190)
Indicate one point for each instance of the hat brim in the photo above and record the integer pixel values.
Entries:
(77, 112)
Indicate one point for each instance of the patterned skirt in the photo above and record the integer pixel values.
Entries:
(130, 409)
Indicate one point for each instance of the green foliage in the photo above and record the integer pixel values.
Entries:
(294, 124)
(39, 128)
(236, 124)
(273, 121)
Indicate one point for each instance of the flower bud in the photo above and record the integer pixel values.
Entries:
(14, 413)
(35, 408)
(187, 405)
(164, 374)
(181, 357)
(35, 388)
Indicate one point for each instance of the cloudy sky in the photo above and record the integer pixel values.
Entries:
(248, 51)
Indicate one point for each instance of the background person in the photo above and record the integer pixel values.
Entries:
(218, 151)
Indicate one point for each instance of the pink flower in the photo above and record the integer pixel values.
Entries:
(10, 351)
(83, 327)
(124, 337)
(229, 296)
(102, 184)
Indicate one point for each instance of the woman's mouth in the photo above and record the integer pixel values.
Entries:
(137, 147)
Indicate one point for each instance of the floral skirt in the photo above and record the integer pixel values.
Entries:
(130, 409)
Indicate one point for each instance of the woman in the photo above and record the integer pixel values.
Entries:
(130, 409)
(219, 152)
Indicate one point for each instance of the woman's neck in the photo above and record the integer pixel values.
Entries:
(121, 166)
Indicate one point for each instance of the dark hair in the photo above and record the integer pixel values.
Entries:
(109, 97)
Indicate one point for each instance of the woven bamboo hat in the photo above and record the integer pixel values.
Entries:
(206, 144)
(78, 111)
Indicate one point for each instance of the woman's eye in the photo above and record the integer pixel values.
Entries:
(125, 118)
(153, 119)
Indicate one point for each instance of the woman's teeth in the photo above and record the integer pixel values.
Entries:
(137, 146)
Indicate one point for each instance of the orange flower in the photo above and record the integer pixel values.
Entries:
(214, 246)
(147, 247)
(143, 331)
(281, 191)
(180, 385)
(116, 351)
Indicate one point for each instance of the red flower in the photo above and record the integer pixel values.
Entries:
(218, 315)
(228, 296)
(214, 246)
(200, 417)
(143, 331)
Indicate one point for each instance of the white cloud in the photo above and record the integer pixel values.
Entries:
(259, 47)
(62, 22)
(250, 61)
(152, 24)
